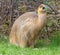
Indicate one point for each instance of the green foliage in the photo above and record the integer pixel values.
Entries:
(22, 8)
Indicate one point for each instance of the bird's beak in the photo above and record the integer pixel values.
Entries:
(49, 9)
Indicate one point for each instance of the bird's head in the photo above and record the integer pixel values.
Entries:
(42, 8)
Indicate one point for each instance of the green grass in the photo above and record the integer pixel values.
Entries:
(40, 48)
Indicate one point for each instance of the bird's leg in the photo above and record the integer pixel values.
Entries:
(32, 43)
(31, 46)
(23, 42)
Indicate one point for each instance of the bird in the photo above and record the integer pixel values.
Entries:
(28, 26)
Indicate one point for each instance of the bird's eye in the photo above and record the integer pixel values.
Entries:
(43, 7)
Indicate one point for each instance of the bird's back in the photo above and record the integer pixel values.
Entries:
(27, 16)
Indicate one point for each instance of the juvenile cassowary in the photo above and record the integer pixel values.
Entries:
(28, 26)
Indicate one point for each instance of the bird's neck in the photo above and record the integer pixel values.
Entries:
(41, 16)
(41, 19)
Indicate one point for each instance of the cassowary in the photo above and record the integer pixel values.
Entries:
(28, 26)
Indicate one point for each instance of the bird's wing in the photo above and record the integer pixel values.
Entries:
(26, 17)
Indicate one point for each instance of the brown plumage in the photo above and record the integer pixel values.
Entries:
(27, 27)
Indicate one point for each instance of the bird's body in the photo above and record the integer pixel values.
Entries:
(27, 28)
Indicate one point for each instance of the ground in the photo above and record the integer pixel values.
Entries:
(40, 48)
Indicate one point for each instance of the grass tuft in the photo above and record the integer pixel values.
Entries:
(40, 48)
